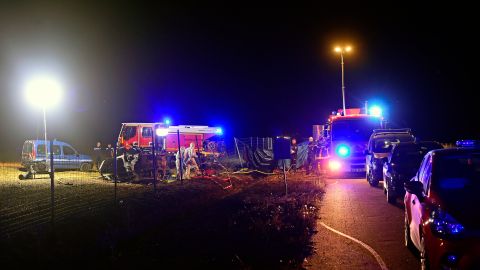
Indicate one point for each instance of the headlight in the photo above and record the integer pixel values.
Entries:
(334, 165)
(444, 225)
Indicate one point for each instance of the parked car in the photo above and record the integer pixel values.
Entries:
(65, 157)
(441, 216)
(379, 148)
(402, 164)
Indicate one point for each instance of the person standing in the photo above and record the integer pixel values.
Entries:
(190, 161)
(109, 151)
(311, 153)
(293, 154)
(97, 155)
(178, 159)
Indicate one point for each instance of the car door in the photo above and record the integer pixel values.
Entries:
(71, 158)
(58, 161)
(416, 206)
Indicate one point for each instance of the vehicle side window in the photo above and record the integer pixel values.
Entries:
(68, 151)
(129, 133)
(147, 132)
(41, 149)
(426, 168)
(427, 176)
(421, 168)
(56, 150)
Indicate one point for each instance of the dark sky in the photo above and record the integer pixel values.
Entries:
(257, 71)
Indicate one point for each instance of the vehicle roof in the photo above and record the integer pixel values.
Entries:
(354, 116)
(55, 142)
(455, 151)
(391, 134)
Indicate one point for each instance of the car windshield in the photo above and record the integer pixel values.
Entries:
(384, 144)
(354, 129)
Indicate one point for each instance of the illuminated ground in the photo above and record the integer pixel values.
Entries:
(196, 224)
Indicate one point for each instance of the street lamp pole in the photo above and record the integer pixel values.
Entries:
(45, 133)
(341, 51)
(343, 84)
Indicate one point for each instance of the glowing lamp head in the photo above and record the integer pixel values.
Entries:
(334, 165)
(219, 131)
(348, 48)
(167, 122)
(375, 111)
(161, 132)
(43, 91)
(343, 150)
(338, 49)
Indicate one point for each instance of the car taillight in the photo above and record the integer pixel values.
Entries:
(444, 225)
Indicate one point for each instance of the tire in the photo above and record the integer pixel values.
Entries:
(391, 197)
(86, 167)
(373, 182)
(40, 167)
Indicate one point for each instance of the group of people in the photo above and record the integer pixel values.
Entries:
(185, 161)
(100, 154)
(316, 151)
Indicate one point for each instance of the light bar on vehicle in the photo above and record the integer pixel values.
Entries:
(161, 132)
(468, 143)
(375, 111)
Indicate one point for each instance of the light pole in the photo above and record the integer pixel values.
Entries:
(341, 51)
(43, 92)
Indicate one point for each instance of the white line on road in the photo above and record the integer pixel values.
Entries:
(382, 264)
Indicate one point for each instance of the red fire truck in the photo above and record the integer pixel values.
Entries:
(347, 139)
(207, 140)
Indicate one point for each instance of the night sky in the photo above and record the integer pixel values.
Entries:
(257, 71)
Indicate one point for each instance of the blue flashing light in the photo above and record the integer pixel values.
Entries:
(343, 150)
(375, 111)
(167, 121)
(468, 143)
(219, 131)
(452, 259)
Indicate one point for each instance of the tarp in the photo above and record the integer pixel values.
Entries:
(263, 159)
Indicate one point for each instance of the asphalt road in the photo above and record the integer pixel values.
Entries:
(352, 207)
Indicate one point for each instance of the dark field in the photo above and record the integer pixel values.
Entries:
(251, 225)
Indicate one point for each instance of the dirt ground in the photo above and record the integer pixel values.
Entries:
(244, 222)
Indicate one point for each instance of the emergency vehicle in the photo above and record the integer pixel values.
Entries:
(207, 140)
(346, 139)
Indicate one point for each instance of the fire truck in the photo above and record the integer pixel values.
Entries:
(207, 140)
(346, 139)
(165, 140)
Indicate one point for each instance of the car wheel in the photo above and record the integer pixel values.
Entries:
(391, 198)
(40, 167)
(86, 167)
(372, 181)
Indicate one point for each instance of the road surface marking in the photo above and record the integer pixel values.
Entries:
(382, 264)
